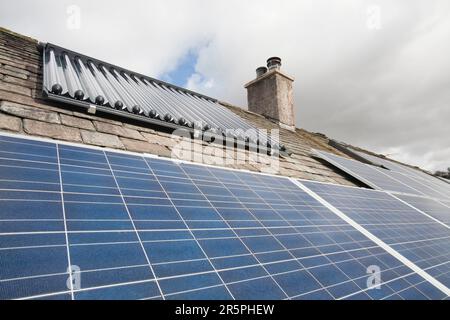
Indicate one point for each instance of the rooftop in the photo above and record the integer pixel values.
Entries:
(95, 186)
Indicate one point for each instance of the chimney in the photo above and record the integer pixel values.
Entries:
(270, 94)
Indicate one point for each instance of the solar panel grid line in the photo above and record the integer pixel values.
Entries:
(134, 226)
(425, 254)
(415, 241)
(418, 176)
(124, 152)
(81, 193)
(243, 237)
(194, 290)
(417, 185)
(42, 296)
(418, 210)
(413, 272)
(257, 264)
(270, 262)
(121, 284)
(32, 247)
(86, 289)
(383, 284)
(249, 248)
(125, 230)
(444, 203)
(90, 288)
(19, 272)
(425, 179)
(289, 251)
(76, 79)
(281, 273)
(386, 163)
(349, 281)
(438, 209)
(244, 244)
(390, 184)
(375, 239)
(36, 276)
(21, 160)
(116, 285)
(190, 231)
(437, 186)
(444, 180)
(343, 168)
(364, 277)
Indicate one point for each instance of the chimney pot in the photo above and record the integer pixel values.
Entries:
(274, 63)
(260, 71)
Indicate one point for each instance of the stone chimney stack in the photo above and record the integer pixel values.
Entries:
(270, 94)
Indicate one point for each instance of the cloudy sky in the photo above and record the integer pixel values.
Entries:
(372, 73)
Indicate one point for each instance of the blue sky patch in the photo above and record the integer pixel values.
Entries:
(184, 69)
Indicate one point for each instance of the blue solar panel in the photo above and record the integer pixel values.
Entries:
(436, 209)
(424, 187)
(423, 183)
(74, 79)
(368, 174)
(397, 167)
(146, 228)
(417, 237)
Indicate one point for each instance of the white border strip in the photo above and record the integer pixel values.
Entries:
(375, 239)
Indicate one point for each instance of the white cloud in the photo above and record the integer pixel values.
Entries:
(385, 89)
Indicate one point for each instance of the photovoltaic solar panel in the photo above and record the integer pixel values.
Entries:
(417, 237)
(421, 186)
(436, 209)
(133, 227)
